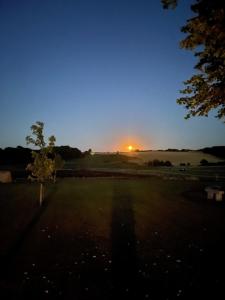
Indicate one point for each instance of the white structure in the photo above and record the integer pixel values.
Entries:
(5, 176)
(214, 193)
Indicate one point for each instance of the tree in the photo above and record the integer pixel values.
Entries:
(205, 90)
(42, 166)
(58, 164)
(204, 162)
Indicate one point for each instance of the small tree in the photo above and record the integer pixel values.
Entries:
(58, 164)
(42, 166)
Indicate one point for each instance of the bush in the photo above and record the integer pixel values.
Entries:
(204, 162)
(159, 163)
(67, 152)
(168, 163)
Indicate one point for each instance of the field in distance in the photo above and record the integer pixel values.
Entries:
(176, 158)
(136, 163)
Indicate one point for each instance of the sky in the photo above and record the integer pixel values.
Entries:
(101, 74)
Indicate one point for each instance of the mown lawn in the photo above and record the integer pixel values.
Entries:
(110, 238)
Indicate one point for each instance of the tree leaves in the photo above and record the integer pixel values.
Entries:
(205, 91)
(169, 3)
(42, 167)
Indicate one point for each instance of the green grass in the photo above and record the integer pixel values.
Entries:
(89, 222)
(79, 204)
(111, 161)
(18, 205)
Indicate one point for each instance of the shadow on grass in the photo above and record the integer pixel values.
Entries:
(124, 256)
(7, 260)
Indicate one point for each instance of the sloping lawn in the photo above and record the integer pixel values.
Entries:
(18, 205)
(110, 238)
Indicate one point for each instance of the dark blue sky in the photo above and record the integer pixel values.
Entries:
(100, 74)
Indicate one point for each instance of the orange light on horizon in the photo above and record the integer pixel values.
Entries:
(129, 144)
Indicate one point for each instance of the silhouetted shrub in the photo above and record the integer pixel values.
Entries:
(168, 164)
(159, 163)
(204, 162)
(68, 153)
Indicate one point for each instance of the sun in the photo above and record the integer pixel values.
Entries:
(130, 148)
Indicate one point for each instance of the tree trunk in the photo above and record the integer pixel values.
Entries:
(41, 193)
(55, 176)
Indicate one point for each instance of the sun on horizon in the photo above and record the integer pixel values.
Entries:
(129, 144)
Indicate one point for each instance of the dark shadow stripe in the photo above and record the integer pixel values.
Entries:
(124, 256)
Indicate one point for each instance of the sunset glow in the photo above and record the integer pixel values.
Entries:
(130, 143)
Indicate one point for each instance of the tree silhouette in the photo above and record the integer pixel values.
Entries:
(205, 90)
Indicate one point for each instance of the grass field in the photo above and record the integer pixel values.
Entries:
(192, 157)
(112, 161)
(114, 165)
(111, 238)
(128, 165)
(138, 159)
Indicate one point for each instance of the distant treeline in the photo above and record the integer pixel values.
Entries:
(218, 151)
(166, 150)
(21, 155)
(177, 150)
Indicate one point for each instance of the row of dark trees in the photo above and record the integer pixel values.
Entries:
(18, 155)
(218, 151)
(167, 163)
(159, 163)
(21, 155)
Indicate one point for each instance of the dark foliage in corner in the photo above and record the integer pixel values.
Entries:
(205, 36)
(218, 151)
